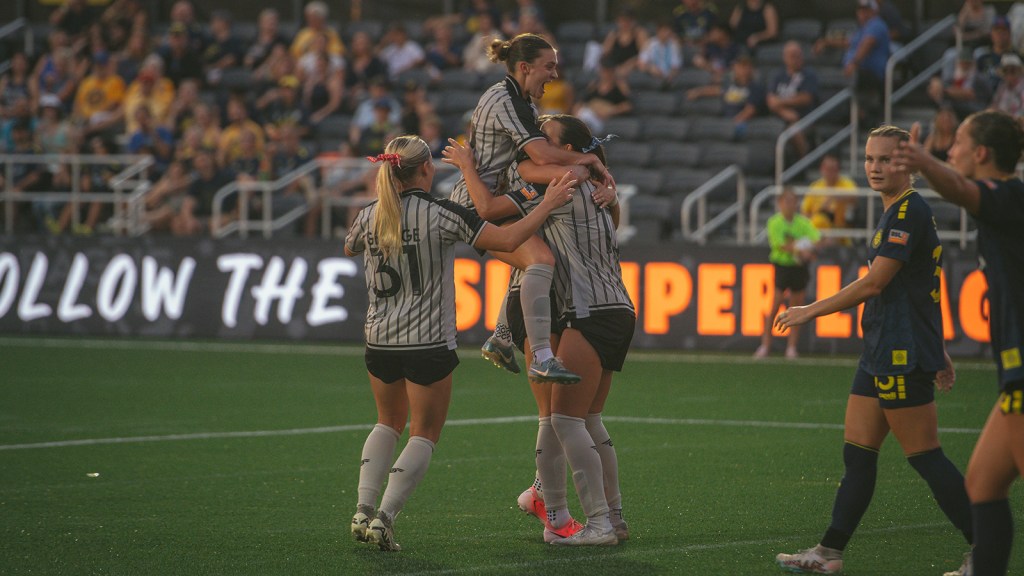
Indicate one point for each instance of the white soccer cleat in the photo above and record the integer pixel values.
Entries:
(761, 352)
(965, 569)
(810, 561)
(589, 536)
(360, 527)
(383, 534)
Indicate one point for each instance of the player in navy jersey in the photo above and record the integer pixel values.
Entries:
(407, 240)
(904, 359)
(980, 176)
(504, 124)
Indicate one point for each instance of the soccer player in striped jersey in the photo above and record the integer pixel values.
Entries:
(981, 177)
(504, 124)
(407, 240)
(598, 318)
(904, 359)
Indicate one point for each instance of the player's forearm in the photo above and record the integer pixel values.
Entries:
(487, 205)
(537, 174)
(851, 295)
(951, 185)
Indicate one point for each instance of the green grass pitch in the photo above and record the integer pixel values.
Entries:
(128, 457)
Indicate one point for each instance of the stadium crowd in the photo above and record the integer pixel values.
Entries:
(215, 101)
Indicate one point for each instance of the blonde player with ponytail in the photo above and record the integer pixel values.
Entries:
(407, 239)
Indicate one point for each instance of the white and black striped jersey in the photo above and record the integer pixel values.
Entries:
(588, 276)
(412, 292)
(503, 122)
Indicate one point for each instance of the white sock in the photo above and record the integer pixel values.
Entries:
(378, 453)
(609, 460)
(534, 294)
(586, 467)
(406, 474)
(551, 469)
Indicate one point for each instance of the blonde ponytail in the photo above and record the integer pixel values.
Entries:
(402, 157)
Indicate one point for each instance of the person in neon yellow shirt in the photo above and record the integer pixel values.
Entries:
(792, 237)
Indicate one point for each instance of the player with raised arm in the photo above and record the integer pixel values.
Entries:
(504, 124)
(980, 176)
(596, 327)
(407, 239)
(904, 359)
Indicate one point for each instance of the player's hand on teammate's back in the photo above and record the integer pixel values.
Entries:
(560, 191)
(459, 156)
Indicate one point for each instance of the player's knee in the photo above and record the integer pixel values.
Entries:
(983, 487)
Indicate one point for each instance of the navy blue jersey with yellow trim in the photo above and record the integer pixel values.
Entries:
(903, 325)
(1001, 249)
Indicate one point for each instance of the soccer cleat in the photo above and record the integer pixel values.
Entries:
(792, 354)
(502, 354)
(552, 371)
(589, 536)
(382, 533)
(761, 352)
(965, 569)
(809, 561)
(531, 502)
(621, 530)
(360, 527)
(551, 533)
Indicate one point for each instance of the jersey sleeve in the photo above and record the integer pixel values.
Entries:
(459, 223)
(355, 240)
(1001, 202)
(906, 230)
(516, 118)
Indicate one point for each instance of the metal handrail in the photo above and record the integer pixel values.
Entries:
(136, 164)
(757, 232)
(243, 225)
(783, 175)
(699, 197)
(902, 54)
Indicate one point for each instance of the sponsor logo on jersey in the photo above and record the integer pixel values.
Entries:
(899, 237)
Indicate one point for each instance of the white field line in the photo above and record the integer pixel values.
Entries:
(643, 552)
(356, 350)
(464, 422)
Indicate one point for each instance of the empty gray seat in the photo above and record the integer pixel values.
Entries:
(705, 130)
(666, 128)
(629, 153)
(651, 103)
(626, 127)
(676, 154)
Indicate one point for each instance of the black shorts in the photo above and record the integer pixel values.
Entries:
(916, 388)
(516, 324)
(1011, 399)
(793, 278)
(610, 333)
(422, 367)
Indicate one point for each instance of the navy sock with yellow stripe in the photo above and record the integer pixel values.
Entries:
(854, 494)
(947, 484)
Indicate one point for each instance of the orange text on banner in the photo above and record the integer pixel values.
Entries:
(667, 292)
(715, 284)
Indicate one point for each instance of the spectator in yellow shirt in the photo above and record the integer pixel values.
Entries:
(150, 89)
(100, 96)
(316, 24)
(228, 149)
(826, 211)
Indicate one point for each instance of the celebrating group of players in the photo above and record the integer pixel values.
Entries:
(567, 296)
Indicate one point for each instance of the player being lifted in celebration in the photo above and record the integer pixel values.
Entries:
(980, 177)
(407, 240)
(904, 359)
(596, 321)
(503, 124)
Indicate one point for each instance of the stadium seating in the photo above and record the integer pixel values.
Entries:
(666, 128)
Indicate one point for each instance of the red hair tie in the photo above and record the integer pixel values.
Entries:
(394, 159)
